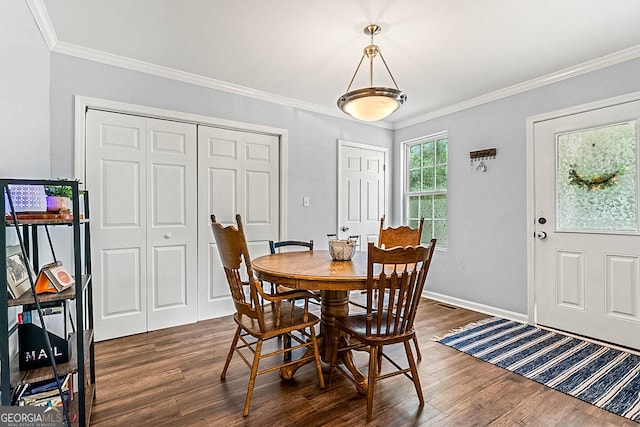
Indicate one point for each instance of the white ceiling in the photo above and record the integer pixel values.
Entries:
(303, 52)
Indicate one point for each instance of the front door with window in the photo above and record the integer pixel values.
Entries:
(587, 248)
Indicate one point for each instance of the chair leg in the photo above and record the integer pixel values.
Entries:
(414, 372)
(418, 352)
(373, 361)
(316, 355)
(230, 354)
(252, 378)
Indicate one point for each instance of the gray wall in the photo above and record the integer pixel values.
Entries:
(312, 137)
(486, 261)
(24, 94)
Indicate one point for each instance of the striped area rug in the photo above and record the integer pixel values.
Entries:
(602, 376)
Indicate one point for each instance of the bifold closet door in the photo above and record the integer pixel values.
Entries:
(238, 172)
(141, 174)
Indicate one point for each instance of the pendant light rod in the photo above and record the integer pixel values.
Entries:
(356, 73)
(388, 71)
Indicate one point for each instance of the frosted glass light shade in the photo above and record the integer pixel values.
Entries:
(371, 104)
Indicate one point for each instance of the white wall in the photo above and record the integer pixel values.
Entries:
(312, 138)
(24, 94)
(486, 259)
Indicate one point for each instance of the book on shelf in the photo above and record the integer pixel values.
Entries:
(53, 278)
(43, 393)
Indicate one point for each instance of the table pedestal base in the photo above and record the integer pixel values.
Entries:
(334, 304)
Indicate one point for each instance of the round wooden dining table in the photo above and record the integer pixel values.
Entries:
(316, 270)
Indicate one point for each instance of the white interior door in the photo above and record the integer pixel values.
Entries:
(142, 181)
(587, 251)
(172, 224)
(361, 191)
(238, 172)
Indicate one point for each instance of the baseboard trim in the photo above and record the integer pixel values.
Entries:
(474, 306)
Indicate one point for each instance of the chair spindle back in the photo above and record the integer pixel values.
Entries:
(234, 252)
(399, 236)
(399, 274)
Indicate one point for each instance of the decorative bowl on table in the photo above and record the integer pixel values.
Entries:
(342, 250)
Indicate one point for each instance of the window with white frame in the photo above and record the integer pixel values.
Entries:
(426, 187)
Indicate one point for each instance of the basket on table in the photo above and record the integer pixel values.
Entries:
(342, 250)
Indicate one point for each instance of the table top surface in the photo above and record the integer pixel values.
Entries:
(312, 270)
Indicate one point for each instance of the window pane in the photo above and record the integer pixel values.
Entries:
(596, 179)
(428, 179)
(440, 206)
(441, 177)
(440, 232)
(427, 174)
(414, 157)
(414, 209)
(414, 180)
(426, 210)
(428, 154)
(427, 231)
(441, 151)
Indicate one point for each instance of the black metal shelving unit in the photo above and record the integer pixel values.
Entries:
(82, 355)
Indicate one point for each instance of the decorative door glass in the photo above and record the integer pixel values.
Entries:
(596, 179)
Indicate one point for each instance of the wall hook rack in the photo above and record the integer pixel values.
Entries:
(481, 156)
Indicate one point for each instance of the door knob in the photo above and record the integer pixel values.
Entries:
(344, 228)
(167, 236)
(541, 235)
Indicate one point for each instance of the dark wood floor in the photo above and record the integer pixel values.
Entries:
(171, 377)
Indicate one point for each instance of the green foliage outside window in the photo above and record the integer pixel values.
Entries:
(427, 188)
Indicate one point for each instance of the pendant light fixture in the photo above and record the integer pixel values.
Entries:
(371, 103)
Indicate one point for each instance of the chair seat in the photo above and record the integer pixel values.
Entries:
(356, 326)
(359, 299)
(277, 325)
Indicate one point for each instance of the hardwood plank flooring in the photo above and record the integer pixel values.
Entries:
(171, 377)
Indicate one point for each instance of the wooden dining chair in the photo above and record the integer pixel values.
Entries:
(274, 247)
(403, 235)
(390, 237)
(277, 316)
(398, 273)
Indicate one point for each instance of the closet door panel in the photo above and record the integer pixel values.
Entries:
(172, 231)
(117, 179)
(238, 173)
(141, 173)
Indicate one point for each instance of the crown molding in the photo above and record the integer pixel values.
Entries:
(195, 79)
(45, 25)
(39, 12)
(567, 73)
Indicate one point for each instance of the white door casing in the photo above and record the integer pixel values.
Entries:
(585, 281)
(141, 176)
(362, 189)
(238, 172)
